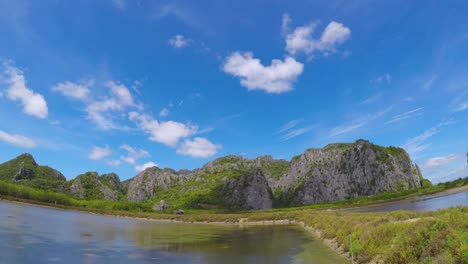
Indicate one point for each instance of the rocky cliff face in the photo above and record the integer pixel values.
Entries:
(344, 171)
(250, 191)
(148, 182)
(335, 172)
(92, 186)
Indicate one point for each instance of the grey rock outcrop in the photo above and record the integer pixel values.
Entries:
(145, 184)
(250, 191)
(339, 172)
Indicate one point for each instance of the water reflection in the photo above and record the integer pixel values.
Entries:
(421, 203)
(31, 234)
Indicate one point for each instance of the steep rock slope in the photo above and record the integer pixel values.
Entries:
(344, 171)
(24, 170)
(250, 191)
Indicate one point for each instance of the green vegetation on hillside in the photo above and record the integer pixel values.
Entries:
(90, 186)
(32, 174)
(199, 192)
(21, 192)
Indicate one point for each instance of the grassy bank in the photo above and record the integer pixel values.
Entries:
(395, 237)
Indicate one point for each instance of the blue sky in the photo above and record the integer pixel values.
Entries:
(114, 86)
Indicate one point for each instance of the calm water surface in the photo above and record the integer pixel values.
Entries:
(421, 203)
(30, 234)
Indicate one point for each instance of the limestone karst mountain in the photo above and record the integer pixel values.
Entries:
(336, 172)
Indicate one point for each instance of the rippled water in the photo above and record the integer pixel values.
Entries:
(30, 234)
(421, 203)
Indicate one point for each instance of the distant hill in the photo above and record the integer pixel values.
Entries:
(92, 186)
(24, 170)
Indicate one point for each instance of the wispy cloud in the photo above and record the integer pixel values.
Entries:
(440, 161)
(357, 123)
(460, 102)
(133, 154)
(428, 84)
(17, 140)
(289, 125)
(462, 106)
(420, 142)
(372, 99)
(120, 4)
(387, 78)
(190, 16)
(405, 115)
(296, 132)
(290, 131)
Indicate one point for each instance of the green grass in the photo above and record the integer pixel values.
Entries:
(397, 237)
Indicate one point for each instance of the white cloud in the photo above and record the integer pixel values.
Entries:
(405, 115)
(357, 123)
(98, 153)
(33, 103)
(164, 112)
(302, 41)
(73, 90)
(133, 154)
(17, 140)
(198, 148)
(121, 92)
(168, 132)
(419, 143)
(179, 41)
(142, 167)
(113, 163)
(440, 161)
(275, 78)
(101, 111)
